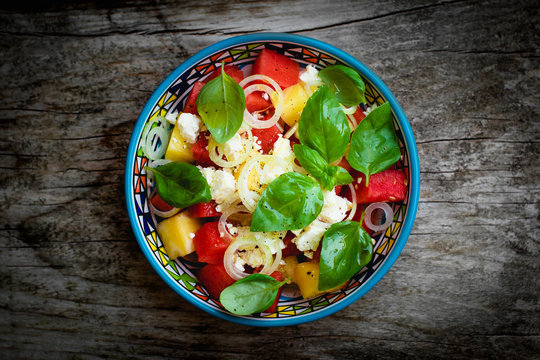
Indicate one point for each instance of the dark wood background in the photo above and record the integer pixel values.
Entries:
(73, 79)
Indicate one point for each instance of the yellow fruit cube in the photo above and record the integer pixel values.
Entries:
(179, 149)
(176, 234)
(306, 276)
(294, 98)
(287, 270)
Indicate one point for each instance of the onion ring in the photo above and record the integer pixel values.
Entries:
(388, 214)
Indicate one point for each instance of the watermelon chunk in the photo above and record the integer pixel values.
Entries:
(387, 186)
(209, 245)
(215, 279)
(231, 70)
(203, 210)
(280, 68)
(200, 152)
(256, 102)
(191, 102)
(267, 137)
(279, 277)
(290, 247)
(359, 115)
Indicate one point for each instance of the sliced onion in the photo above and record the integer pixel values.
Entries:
(352, 121)
(247, 243)
(163, 214)
(153, 209)
(158, 162)
(216, 151)
(222, 224)
(353, 200)
(307, 88)
(269, 80)
(269, 269)
(249, 197)
(278, 108)
(388, 214)
(291, 131)
(349, 110)
(154, 140)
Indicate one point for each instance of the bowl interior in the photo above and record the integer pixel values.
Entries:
(171, 96)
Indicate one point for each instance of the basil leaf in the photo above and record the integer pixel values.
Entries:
(346, 248)
(339, 176)
(290, 202)
(310, 160)
(181, 184)
(345, 83)
(252, 294)
(374, 145)
(323, 125)
(221, 105)
(316, 166)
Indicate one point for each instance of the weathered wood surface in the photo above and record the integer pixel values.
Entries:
(74, 283)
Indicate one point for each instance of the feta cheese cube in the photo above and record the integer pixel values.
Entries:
(270, 172)
(233, 148)
(189, 126)
(310, 76)
(171, 117)
(221, 182)
(335, 207)
(309, 238)
(283, 150)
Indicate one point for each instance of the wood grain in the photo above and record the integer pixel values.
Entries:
(73, 281)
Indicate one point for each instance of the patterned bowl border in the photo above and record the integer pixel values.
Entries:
(171, 95)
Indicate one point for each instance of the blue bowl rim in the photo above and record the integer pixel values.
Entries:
(414, 173)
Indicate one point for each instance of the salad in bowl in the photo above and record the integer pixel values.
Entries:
(267, 183)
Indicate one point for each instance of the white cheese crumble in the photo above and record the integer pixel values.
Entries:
(370, 109)
(221, 182)
(310, 76)
(189, 126)
(171, 117)
(282, 149)
(233, 148)
(270, 172)
(335, 207)
(308, 239)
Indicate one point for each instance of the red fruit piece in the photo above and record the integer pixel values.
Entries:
(215, 279)
(231, 70)
(290, 247)
(160, 204)
(191, 102)
(279, 277)
(256, 102)
(209, 245)
(267, 137)
(204, 210)
(387, 186)
(359, 115)
(280, 68)
(200, 152)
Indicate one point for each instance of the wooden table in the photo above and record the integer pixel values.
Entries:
(74, 283)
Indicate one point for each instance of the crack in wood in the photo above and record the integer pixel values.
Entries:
(381, 16)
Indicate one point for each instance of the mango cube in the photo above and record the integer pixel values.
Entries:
(306, 276)
(294, 98)
(178, 149)
(287, 270)
(176, 233)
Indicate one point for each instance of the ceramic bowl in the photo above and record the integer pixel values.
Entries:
(171, 96)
